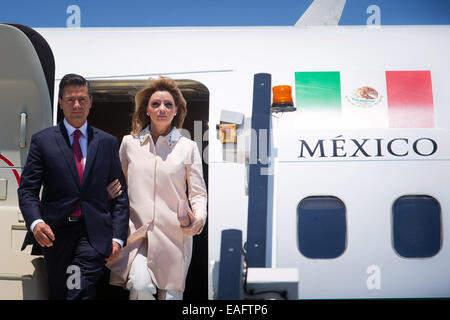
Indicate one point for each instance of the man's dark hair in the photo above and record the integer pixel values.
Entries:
(72, 79)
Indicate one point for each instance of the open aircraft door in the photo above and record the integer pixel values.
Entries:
(27, 71)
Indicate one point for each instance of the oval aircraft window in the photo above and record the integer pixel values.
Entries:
(322, 227)
(416, 226)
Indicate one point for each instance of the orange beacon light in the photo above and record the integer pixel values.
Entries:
(282, 99)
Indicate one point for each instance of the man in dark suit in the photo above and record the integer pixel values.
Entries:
(73, 223)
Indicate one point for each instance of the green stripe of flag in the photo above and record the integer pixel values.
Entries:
(318, 91)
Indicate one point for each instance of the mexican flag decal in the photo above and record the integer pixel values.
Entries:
(367, 98)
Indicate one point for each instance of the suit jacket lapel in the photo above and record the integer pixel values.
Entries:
(62, 139)
(91, 152)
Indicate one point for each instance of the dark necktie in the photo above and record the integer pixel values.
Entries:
(78, 155)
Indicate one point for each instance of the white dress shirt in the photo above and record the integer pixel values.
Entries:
(83, 144)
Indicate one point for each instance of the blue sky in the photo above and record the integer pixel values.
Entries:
(141, 13)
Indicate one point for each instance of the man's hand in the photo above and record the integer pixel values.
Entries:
(114, 252)
(43, 234)
(196, 225)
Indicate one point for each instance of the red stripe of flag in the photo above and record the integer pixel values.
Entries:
(410, 99)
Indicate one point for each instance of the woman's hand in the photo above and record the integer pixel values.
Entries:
(114, 189)
(196, 225)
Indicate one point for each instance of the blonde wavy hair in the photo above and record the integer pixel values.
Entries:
(140, 119)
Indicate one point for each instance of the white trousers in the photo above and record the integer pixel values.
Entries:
(141, 285)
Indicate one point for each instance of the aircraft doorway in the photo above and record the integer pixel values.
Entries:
(112, 108)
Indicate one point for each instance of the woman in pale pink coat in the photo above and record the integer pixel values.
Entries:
(157, 162)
